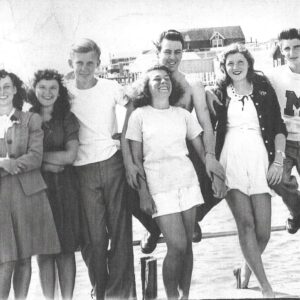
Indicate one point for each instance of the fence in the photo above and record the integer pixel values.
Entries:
(207, 78)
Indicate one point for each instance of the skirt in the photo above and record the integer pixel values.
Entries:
(26, 223)
(63, 193)
(245, 161)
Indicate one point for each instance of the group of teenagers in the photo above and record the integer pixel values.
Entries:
(69, 181)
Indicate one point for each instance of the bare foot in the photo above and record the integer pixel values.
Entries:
(245, 276)
(268, 293)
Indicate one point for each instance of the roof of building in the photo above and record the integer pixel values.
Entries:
(202, 34)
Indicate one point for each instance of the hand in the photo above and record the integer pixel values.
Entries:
(210, 99)
(12, 166)
(274, 174)
(213, 167)
(52, 168)
(219, 187)
(132, 173)
(147, 203)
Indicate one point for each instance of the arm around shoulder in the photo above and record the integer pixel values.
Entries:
(211, 99)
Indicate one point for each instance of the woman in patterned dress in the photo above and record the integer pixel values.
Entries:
(50, 99)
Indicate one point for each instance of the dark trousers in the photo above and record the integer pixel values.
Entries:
(107, 217)
(288, 188)
(206, 188)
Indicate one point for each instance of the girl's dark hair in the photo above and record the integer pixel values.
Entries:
(62, 105)
(234, 48)
(139, 92)
(20, 96)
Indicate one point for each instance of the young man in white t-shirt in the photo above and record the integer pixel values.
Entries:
(286, 82)
(102, 178)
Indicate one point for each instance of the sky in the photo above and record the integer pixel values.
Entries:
(38, 33)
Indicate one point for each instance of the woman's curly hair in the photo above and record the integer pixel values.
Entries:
(62, 105)
(234, 48)
(139, 91)
(20, 95)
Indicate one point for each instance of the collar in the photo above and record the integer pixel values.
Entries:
(9, 115)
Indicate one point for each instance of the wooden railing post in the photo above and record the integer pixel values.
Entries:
(149, 277)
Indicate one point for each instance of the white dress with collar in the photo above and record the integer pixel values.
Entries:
(244, 156)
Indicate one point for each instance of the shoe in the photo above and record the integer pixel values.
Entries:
(292, 225)
(197, 235)
(148, 243)
(237, 275)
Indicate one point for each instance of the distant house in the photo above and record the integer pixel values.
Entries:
(278, 57)
(206, 38)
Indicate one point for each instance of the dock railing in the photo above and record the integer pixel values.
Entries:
(210, 235)
(149, 263)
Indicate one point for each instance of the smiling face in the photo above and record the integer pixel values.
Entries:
(84, 66)
(236, 66)
(47, 92)
(159, 83)
(170, 54)
(7, 92)
(291, 50)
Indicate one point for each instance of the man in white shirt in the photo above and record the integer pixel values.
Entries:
(102, 178)
(286, 82)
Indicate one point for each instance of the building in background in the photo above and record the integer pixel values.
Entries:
(203, 39)
(119, 64)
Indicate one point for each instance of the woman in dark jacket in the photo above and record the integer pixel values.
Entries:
(26, 222)
(250, 145)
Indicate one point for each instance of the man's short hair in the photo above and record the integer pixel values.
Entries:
(289, 34)
(171, 35)
(84, 46)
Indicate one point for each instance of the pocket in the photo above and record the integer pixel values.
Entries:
(32, 182)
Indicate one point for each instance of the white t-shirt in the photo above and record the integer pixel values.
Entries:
(287, 88)
(95, 108)
(163, 133)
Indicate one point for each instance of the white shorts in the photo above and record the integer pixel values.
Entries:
(245, 161)
(178, 200)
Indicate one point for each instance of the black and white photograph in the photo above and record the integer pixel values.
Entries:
(149, 149)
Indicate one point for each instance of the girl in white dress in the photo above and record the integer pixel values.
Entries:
(250, 144)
